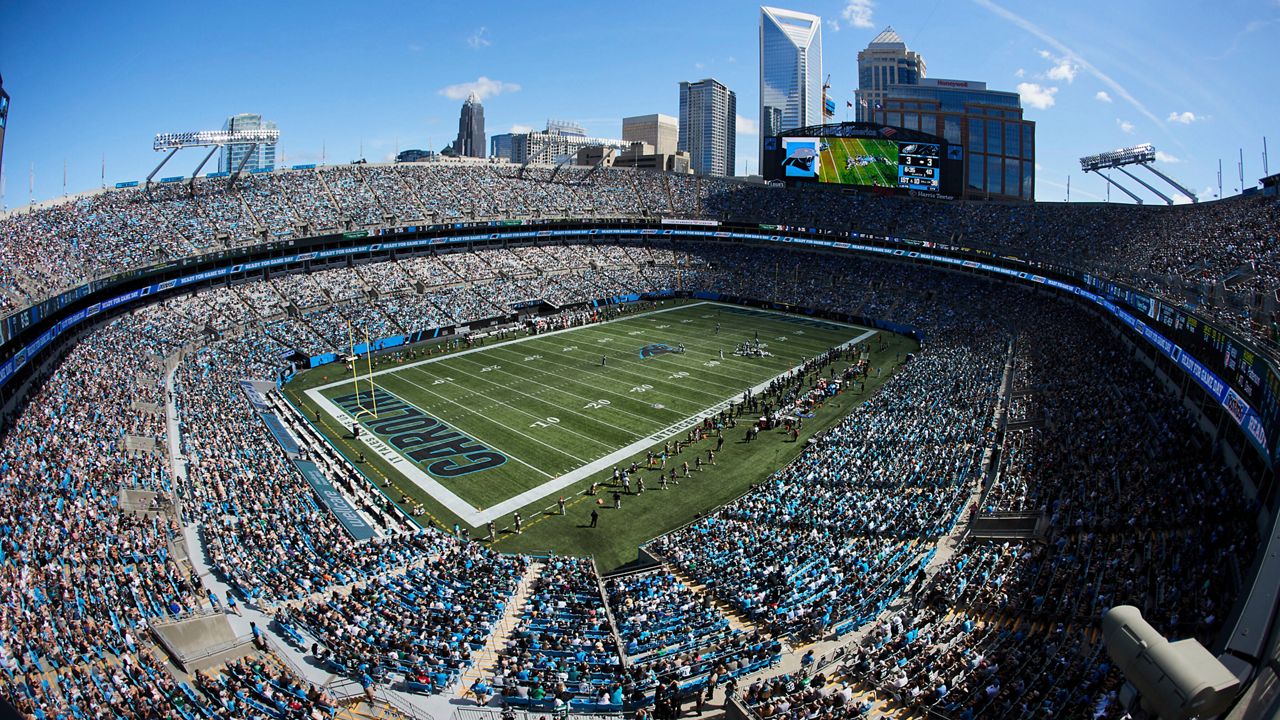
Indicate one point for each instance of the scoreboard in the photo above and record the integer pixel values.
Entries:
(919, 167)
(883, 159)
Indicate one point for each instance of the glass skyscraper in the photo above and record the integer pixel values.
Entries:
(470, 141)
(790, 71)
(708, 126)
(263, 156)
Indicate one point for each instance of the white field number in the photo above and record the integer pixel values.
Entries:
(548, 422)
(531, 358)
(441, 381)
(571, 348)
(490, 368)
(596, 404)
(678, 375)
(641, 388)
(711, 363)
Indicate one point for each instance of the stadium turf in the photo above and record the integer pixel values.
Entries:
(514, 425)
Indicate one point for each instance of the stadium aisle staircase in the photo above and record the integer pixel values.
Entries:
(737, 621)
(486, 659)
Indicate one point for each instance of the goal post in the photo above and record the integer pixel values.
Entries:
(366, 390)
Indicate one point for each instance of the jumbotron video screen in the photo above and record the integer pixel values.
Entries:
(863, 161)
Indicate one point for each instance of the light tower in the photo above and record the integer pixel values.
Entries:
(213, 139)
(1142, 155)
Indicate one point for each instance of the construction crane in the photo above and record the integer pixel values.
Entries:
(828, 105)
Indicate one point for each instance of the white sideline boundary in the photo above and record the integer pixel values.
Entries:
(478, 517)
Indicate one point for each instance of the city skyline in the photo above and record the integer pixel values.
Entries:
(1086, 77)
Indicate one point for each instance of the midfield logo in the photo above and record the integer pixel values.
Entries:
(444, 451)
(649, 351)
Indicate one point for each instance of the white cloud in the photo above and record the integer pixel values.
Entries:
(479, 38)
(698, 66)
(747, 126)
(1126, 127)
(1045, 54)
(1063, 70)
(518, 129)
(1020, 73)
(1186, 117)
(1068, 53)
(1036, 96)
(858, 13)
(1164, 157)
(1102, 96)
(483, 87)
(833, 25)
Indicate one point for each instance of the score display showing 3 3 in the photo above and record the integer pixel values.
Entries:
(919, 167)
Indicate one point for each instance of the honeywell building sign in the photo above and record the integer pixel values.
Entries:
(961, 84)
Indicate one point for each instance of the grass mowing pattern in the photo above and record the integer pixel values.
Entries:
(504, 394)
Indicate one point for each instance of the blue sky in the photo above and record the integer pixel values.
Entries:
(1197, 79)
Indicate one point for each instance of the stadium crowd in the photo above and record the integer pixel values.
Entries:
(824, 545)
(1219, 258)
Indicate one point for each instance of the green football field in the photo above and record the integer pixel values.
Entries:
(836, 167)
(512, 426)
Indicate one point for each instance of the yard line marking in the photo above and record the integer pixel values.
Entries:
(587, 370)
(648, 378)
(477, 518)
(409, 470)
(642, 418)
(556, 407)
(537, 493)
(663, 361)
(477, 413)
(481, 348)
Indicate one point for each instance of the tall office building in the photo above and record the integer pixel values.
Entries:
(885, 62)
(500, 146)
(660, 131)
(999, 146)
(790, 71)
(262, 157)
(470, 142)
(708, 126)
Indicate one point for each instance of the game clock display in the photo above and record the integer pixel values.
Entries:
(918, 167)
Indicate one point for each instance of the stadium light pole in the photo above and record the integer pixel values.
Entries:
(1241, 166)
(173, 142)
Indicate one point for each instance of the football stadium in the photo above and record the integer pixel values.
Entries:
(568, 427)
